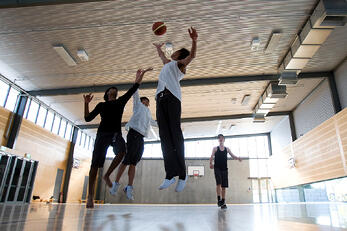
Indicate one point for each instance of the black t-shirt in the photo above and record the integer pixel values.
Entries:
(111, 112)
(221, 159)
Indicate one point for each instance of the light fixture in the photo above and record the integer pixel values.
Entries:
(168, 48)
(64, 54)
(273, 42)
(255, 44)
(245, 100)
(82, 54)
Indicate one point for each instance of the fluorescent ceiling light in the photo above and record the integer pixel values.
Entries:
(273, 42)
(64, 54)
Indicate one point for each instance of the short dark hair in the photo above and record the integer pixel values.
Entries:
(183, 53)
(220, 135)
(144, 98)
(106, 96)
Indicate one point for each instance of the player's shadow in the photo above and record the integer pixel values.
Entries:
(179, 227)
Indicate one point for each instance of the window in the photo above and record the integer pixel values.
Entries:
(152, 151)
(3, 92)
(12, 99)
(83, 139)
(27, 106)
(78, 140)
(68, 131)
(91, 145)
(62, 128)
(56, 124)
(42, 116)
(32, 114)
(49, 120)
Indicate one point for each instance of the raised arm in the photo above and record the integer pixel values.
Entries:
(161, 53)
(194, 36)
(233, 156)
(212, 157)
(136, 100)
(139, 76)
(89, 116)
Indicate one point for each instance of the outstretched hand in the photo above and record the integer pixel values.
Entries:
(140, 73)
(193, 34)
(88, 98)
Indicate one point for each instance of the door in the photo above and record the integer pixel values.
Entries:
(85, 187)
(57, 185)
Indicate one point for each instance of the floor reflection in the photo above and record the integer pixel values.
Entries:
(259, 217)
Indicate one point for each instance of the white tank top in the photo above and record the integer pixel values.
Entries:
(169, 78)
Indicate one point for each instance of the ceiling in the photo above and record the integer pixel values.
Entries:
(118, 39)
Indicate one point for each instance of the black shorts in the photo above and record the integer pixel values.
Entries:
(135, 146)
(221, 177)
(102, 142)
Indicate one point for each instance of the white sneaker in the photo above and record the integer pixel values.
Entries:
(114, 189)
(129, 190)
(166, 183)
(181, 184)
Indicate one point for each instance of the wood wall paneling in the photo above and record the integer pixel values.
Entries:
(320, 155)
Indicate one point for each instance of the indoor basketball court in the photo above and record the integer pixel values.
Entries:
(173, 115)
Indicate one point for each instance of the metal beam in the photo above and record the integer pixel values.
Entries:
(28, 3)
(16, 121)
(69, 164)
(334, 93)
(184, 83)
(292, 126)
(212, 137)
(200, 119)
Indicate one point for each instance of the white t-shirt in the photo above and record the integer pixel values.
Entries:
(169, 78)
(141, 121)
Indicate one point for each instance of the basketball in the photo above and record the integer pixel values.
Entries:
(159, 28)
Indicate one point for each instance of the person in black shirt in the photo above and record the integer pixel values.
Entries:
(220, 156)
(109, 131)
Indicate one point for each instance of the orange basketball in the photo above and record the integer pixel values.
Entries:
(159, 28)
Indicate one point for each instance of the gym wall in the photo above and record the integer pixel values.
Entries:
(51, 151)
(341, 83)
(281, 135)
(150, 174)
(4, 118)
(314, 110)
(320, 154)
(78, 175)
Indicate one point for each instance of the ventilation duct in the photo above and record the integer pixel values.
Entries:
(288, 78)
(268, 100)
(327, 15)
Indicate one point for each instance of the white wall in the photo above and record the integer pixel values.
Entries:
(341, 83)
(314, 110)
(281, 135)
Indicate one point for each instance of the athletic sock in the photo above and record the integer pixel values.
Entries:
(223, 201)
(218, 198)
